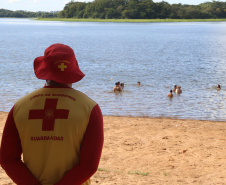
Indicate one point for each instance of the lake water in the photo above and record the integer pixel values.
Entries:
(159, 55)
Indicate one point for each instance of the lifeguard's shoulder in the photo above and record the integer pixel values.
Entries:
(28, 96)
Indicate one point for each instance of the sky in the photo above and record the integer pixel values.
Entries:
(57, 5)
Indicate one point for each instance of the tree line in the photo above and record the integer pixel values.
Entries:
(142, 9)
(129, 9)
(27, 14)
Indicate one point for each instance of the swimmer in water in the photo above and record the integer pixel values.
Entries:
(170, 95)
(218, 87)
(117, 87)
(178, 90)
(174, 89)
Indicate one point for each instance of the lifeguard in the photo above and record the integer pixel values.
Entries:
(58, 129)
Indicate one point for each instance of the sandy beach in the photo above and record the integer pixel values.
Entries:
(145, 151)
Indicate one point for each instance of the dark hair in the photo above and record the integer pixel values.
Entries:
(171, 91)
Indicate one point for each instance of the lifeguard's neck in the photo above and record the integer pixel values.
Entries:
(56, 84)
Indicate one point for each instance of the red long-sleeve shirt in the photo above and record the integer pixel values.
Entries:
(90, 152)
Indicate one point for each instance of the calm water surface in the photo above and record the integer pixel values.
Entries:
(159, 55)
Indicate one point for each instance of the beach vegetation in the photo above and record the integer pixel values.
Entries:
(166, 174)
(138, 173)
(102, 169)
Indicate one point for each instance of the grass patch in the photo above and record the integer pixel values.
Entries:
(131, 173)
(129, 20)
(165, 173)
(104, 170)
(138, 173)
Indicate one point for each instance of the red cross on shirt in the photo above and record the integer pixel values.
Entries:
(49, 114)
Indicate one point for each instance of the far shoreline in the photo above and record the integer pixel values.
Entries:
(129, 20)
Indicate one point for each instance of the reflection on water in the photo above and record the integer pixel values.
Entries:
(159, 55)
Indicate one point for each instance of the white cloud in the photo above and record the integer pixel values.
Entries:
(36, 1)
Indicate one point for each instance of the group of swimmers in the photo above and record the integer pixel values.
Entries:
(177, 90)
(120, 86)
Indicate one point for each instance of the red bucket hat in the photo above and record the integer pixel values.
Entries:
(58, 64)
